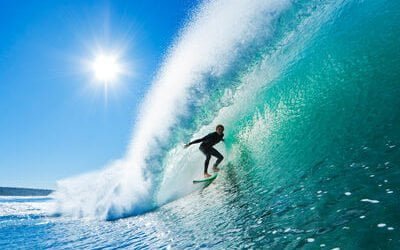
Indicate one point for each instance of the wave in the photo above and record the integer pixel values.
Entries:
(225, 59)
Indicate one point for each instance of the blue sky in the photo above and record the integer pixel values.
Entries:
(55, 122)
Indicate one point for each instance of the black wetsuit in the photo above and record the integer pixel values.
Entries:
(206, 146)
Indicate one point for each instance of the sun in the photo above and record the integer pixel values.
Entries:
(106, 68)
(107, 71)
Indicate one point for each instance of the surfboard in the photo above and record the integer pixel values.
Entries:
(209, 179)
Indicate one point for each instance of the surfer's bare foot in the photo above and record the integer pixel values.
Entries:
(207, 175)
(215, 169)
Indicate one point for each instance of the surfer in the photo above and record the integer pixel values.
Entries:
(206, 146)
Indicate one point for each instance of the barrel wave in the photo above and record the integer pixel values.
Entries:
(308, 92)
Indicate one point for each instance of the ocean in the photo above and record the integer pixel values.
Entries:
(308, 92)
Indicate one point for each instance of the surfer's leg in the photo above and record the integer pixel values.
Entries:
(208, 157)
(219, 156)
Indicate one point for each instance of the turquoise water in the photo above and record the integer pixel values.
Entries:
(311, 109)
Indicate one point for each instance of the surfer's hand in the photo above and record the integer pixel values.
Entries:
(186, 145)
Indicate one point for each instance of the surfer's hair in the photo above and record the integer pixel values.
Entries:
(220, 126)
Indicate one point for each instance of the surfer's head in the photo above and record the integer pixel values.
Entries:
(220, 129)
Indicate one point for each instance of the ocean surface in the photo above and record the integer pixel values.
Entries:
(309, 93)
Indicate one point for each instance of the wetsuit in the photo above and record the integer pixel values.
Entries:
(206, 146)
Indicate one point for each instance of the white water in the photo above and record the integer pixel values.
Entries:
(208, 44)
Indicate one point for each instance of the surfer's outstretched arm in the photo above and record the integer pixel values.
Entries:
(196, 141)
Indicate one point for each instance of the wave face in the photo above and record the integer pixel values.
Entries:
(308, 92)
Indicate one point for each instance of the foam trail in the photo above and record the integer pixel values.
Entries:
(208, 45)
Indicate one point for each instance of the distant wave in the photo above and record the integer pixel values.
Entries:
(12, 191)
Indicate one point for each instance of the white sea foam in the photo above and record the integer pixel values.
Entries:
(24, 205)
(370, 201)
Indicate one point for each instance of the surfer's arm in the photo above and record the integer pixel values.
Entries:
(197, 141)
(194, 142)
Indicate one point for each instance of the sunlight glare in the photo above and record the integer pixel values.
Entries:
(106, 68)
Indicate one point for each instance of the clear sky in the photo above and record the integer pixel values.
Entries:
(55, 119)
